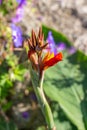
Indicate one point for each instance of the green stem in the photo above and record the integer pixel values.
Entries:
(37, 85)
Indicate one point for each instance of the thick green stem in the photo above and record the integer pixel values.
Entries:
(44, 107)
(37, 85)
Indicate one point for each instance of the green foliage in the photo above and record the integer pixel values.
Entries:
(7, 7)
(66, 89)
(4, 125)
(40, 128)
(10, 72)
(65, 83)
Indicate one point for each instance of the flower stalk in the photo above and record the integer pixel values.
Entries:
(42, 100)
(38, 64)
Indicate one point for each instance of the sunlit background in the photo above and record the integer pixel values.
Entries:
(64, 24)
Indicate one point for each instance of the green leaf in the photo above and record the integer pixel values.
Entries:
(41, 128)
(7, 106)
(66, 83)
(63, 83)
(7, 125)
(61, 121)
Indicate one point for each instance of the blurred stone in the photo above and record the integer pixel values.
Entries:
(81, 43)
(84, 22)
(68, 17)
(67, 3)
(82, 10)
(79, 3)
(26, 91)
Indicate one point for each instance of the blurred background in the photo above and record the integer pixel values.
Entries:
(68, 17)
(65, 84)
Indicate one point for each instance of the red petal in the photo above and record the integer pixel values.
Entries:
(53, 60)
(30, 53)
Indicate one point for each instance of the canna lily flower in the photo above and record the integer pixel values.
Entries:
(40, 63)
(36, 45)
(35, 53)
(49, 60)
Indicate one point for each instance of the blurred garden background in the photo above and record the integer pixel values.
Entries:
(64, 24)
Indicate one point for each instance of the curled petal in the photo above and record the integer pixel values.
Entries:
(53, 61)
(33, 58)
(33, 38)
(48, 56)
(40, 34)
(30, 53)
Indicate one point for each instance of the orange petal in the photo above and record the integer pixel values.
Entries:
(53, 61)
(30, 52)
(48, 56)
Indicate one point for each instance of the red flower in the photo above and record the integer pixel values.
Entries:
(50, 60)
(35, 53)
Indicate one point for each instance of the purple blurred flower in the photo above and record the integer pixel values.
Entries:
(25, 115)
(0, 2)
(33, 96)
(19, 12)
(16, 35)
(61, 46)
(21, 2)
(71, 50)
(19, 15)
(52, 45)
